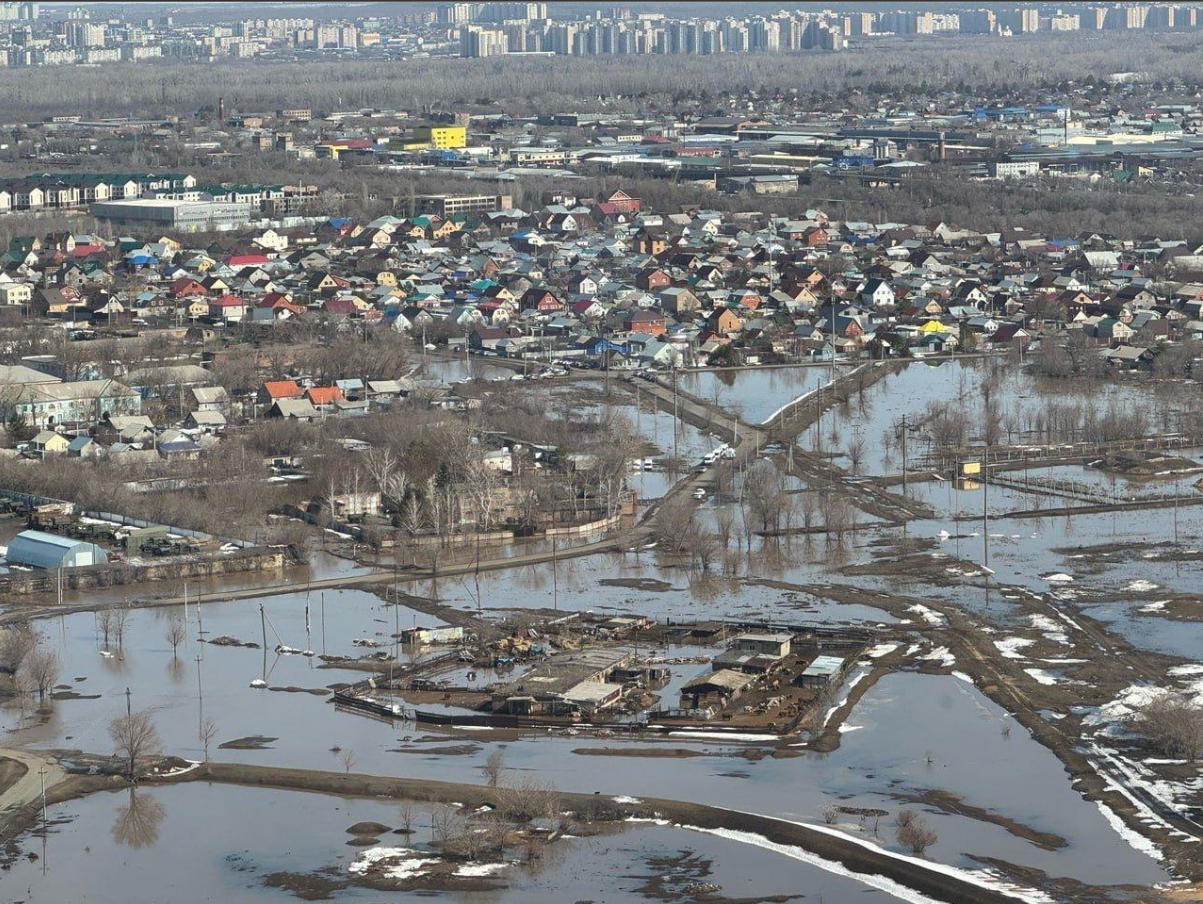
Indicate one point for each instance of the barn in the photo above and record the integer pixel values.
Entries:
(42, 550)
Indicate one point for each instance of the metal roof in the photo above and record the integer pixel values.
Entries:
(43, 550)
(824, 665)
(51, 539)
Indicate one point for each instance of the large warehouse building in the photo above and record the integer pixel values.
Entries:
(187, 216)
(42, 550)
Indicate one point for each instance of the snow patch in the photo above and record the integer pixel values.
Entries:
(1010, 646)
(393, 862)
(931, 616)
(1140, 586)
(941, 655)
(722, 736)
(1138, 841)
(480, 869)
(1042, 676)
(882, 649)
(1058, 578)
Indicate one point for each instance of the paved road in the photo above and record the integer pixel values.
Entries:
(28, 788)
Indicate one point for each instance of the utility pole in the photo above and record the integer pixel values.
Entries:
(263, 627)
(904, 455)
(42, 775)
(986, 512)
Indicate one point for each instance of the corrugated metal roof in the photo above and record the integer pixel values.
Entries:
(43, 550)
(51, 539)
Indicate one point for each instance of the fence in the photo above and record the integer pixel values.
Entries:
(938, 459)
(32, 500)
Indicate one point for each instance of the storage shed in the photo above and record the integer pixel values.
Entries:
(42, 550)
(821, 671)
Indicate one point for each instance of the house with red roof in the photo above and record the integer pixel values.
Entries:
(275, 390)
(540, 300)
(277, 306)
(620, 202)
(340, 307)
(248, 260)
(184, 286)
(227, 309)
(323, 397)
(650, 322)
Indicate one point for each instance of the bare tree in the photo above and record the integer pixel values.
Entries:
(703, 547)
(348, 759)
(831, 813)
(1174, 722)
(406, 818)
(674, 523)
(16, 642)
(104, 622)
(42, 667)
(917, 835)
(527, 799)
(493, 767)
(175, 634)
(856, 454)
(762, 489)
(134, 737)
(120, 619)
(208, 731)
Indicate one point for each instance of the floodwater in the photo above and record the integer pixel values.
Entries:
(457, 370)
(755, 395)
(576, 585)
(108, 850)
(876, 415)
(900, 719)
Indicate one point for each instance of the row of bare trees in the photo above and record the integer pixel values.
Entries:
(30, 666)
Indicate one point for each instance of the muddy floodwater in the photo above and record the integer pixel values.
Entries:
(882, 762)
(123, 848)
(756, 395)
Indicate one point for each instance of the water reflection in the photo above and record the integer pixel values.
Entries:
(137, 823)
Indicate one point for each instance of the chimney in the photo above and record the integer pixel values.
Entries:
(941, 150)
(221, 109)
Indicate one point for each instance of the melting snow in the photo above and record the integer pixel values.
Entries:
(480, 869)
(942, 655)
(1042, 676)
(397, 862)
(928, 615)
(1010, 646)
(1140, 586)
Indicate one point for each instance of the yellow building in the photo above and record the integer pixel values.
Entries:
(442, 137)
